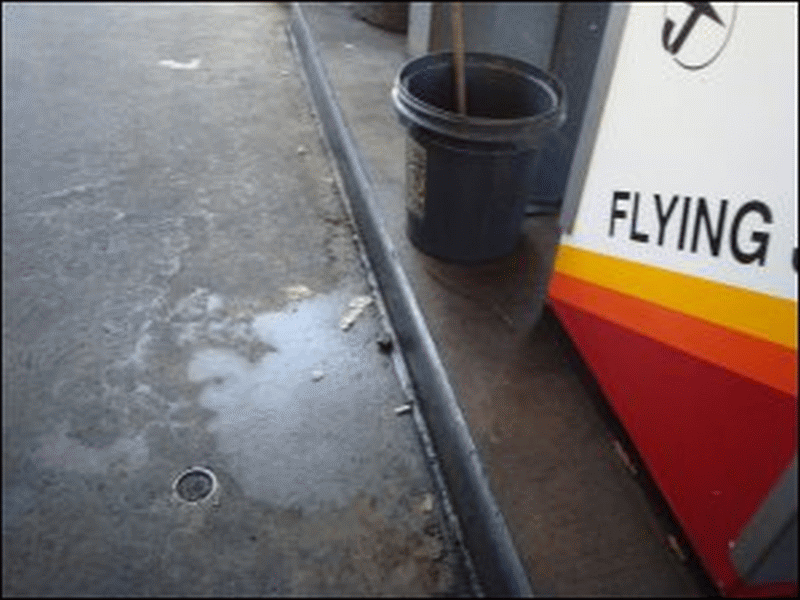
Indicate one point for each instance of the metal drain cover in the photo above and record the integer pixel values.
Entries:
(195, 484)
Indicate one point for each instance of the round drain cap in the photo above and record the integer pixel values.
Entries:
(195, 484)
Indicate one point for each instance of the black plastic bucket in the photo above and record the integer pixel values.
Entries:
(468, 178)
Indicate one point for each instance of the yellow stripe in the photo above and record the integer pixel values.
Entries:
(760, 315)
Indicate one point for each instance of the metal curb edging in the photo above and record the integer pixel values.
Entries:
(486, 535)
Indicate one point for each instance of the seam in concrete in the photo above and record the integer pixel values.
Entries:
(483, 526)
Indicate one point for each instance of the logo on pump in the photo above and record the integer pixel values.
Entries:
(695, 33)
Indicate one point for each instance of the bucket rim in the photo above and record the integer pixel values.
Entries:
(451, 122)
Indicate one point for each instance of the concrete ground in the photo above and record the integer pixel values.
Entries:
(581, 525)
(176, 262)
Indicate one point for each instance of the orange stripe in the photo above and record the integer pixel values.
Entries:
(756, 358)
(741, 309)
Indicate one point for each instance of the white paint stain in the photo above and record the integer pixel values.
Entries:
(81, 188)
(192, 64)
(215, 303)
(140, 350)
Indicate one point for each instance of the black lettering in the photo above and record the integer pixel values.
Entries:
(759, 237)
(687, 200)
(662, 218)
(714, 239)
(637, 236)
(617, 213)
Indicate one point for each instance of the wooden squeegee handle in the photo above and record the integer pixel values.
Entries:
(457, 13)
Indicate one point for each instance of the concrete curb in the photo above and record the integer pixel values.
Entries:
(483, 527)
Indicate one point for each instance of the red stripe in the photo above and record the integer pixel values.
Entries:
(715, 442)
(753, 357)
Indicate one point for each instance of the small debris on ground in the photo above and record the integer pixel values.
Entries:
(284, 73)
(384, 342)
(401, 410)
(297, 292)
(431, 549)
(676, 547)
(356, 307)
(626, 460)
(317, 375)
(302, 150)
(349, 46)
(427, 504)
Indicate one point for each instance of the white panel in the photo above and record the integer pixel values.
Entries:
(725, 132)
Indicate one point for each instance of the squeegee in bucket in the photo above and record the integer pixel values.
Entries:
(457, 18)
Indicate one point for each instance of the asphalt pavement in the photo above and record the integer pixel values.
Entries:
(194, 398)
